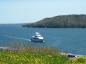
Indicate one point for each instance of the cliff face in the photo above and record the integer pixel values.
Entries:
(63, 21)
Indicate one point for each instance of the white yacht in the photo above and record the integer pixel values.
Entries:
(37, 37)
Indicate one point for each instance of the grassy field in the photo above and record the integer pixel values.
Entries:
(37, 56)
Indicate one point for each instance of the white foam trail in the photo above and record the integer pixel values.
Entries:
(4, 47)
(17, 37)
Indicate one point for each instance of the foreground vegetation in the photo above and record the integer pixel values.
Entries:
(37, 56)
(31, 56)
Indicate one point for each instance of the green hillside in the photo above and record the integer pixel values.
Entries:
(62, 21)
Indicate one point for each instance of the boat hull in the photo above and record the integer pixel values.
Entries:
(37, 40)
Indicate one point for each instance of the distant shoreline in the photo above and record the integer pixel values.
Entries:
(62, 21)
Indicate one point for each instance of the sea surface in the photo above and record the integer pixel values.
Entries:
(71, 40)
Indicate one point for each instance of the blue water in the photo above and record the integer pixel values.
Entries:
(71, 40)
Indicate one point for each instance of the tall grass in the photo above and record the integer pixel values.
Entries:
(32, 56)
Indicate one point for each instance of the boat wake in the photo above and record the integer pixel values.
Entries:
(13, 37)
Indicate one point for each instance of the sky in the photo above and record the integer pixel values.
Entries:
(28, 11)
